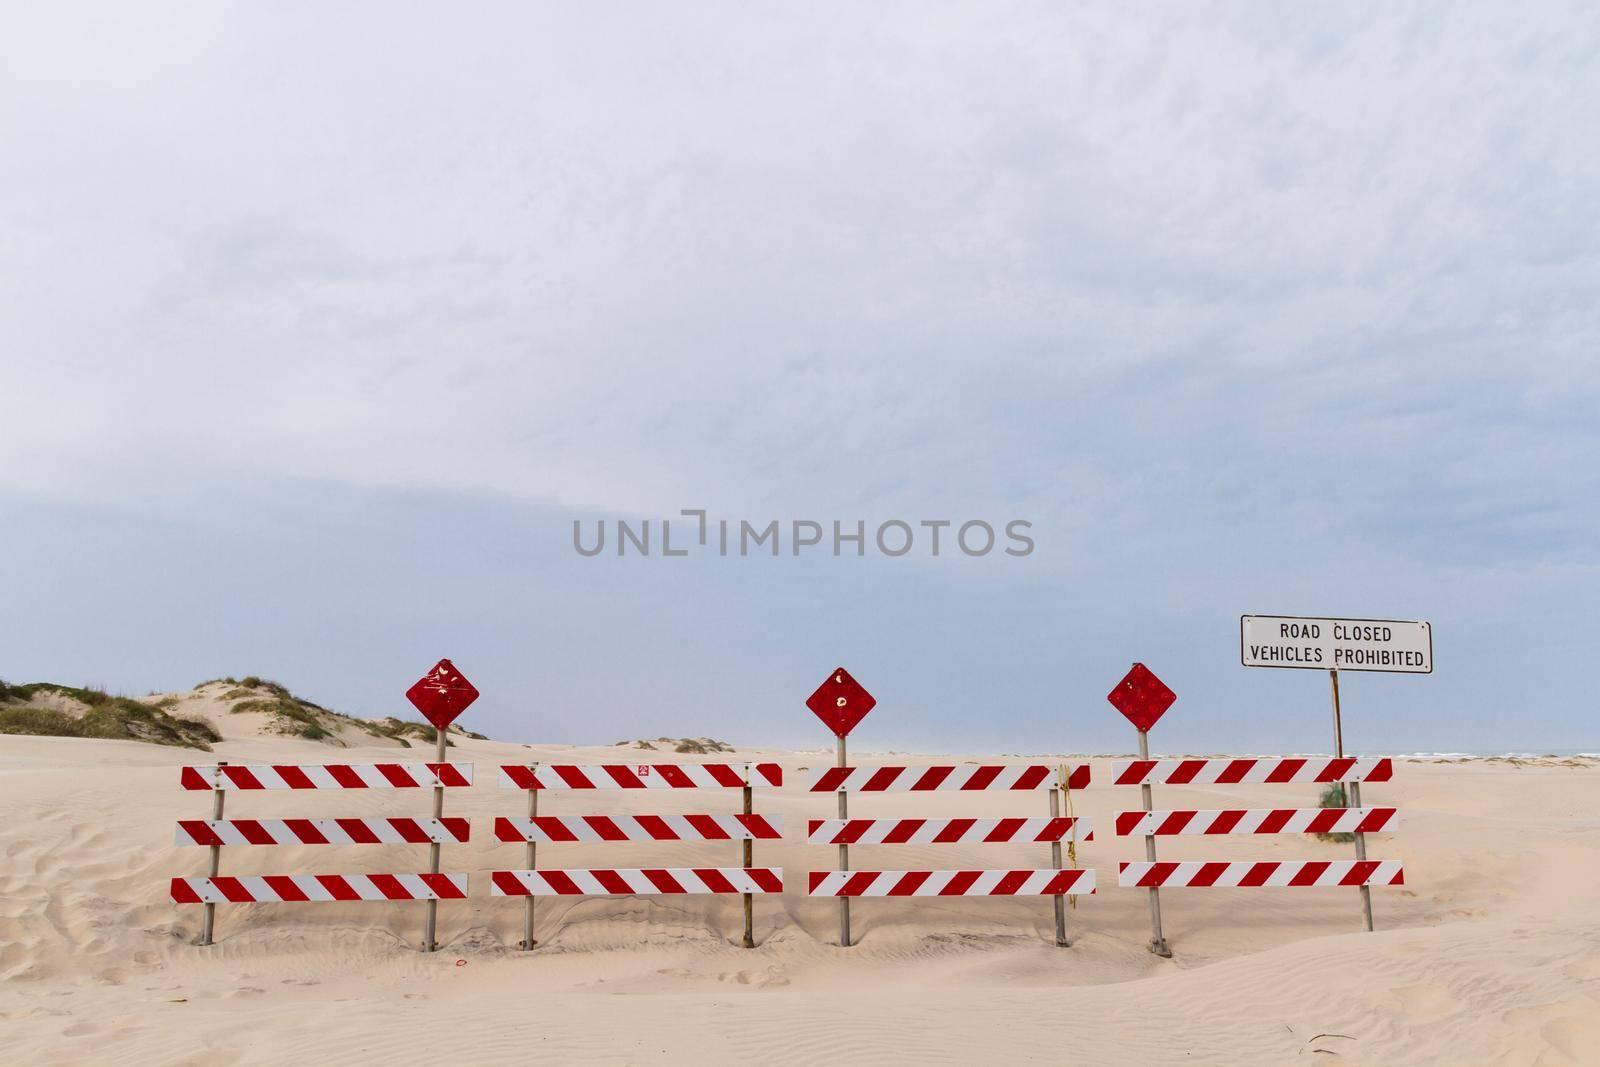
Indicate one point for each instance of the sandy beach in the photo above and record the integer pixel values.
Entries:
(1017, 385)
(1488, 954)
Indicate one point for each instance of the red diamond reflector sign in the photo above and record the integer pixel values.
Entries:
(442, 694)
(840, 702)
(1141, 697)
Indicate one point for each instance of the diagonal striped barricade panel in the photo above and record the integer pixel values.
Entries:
(217, 832)
(745, 828)
(980, 883)
(1257, 821)
(1239, 874)
(328, 776)
(300, 888)
(322, 831)
(1259, 771)
(965, 777)
(945, 831)
(622, 881)
(1244, 874)
(558, 828)
(1055, 881)
(640, 775)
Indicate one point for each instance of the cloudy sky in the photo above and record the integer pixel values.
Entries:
(321, 325)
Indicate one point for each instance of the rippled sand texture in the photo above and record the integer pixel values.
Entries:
(1490, 953)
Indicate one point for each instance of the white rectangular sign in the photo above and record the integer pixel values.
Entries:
(1335, 644)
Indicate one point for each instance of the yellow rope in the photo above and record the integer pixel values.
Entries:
(1072, 841)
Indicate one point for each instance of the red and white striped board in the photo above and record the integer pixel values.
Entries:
(1244, 874)
(295, 888)
(1036, 883)
(969, 777)
(328, 776)
(322, 831)
(945, 831)
(640, 775)
(616, 882)
(557, 828)
(1257, 821)
(1271, 771)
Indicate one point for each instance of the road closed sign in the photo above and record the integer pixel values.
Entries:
(1336, 644)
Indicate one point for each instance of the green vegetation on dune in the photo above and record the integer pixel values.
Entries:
(291, 717)
(405, 732)
(1334, 797)
(124, 718)
(699, 746)
(298, 717)
(41, 722)
(108, 717)
(83, 695)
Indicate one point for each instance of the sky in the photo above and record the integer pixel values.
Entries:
(320, 326)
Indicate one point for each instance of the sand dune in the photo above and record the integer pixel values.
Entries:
(1488, 955)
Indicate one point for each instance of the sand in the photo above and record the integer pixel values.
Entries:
(1489, 955)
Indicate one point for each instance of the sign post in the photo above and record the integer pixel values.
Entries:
(441, 695)
(841, 703)
(1143, 699)
(1389, 646)
(1056, 793)
(1353, 799)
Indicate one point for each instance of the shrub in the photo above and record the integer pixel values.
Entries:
(116, 719)
(40, 722)
(256, 682)
(91, 697)
(198, 727)
(1334, 797)
(290, 717)
(404, 732)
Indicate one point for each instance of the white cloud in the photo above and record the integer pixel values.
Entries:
(1234, 264)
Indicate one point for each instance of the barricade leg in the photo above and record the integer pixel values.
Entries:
(208, 924)
(532, 857)
(1055, 861)
(1361, 855)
